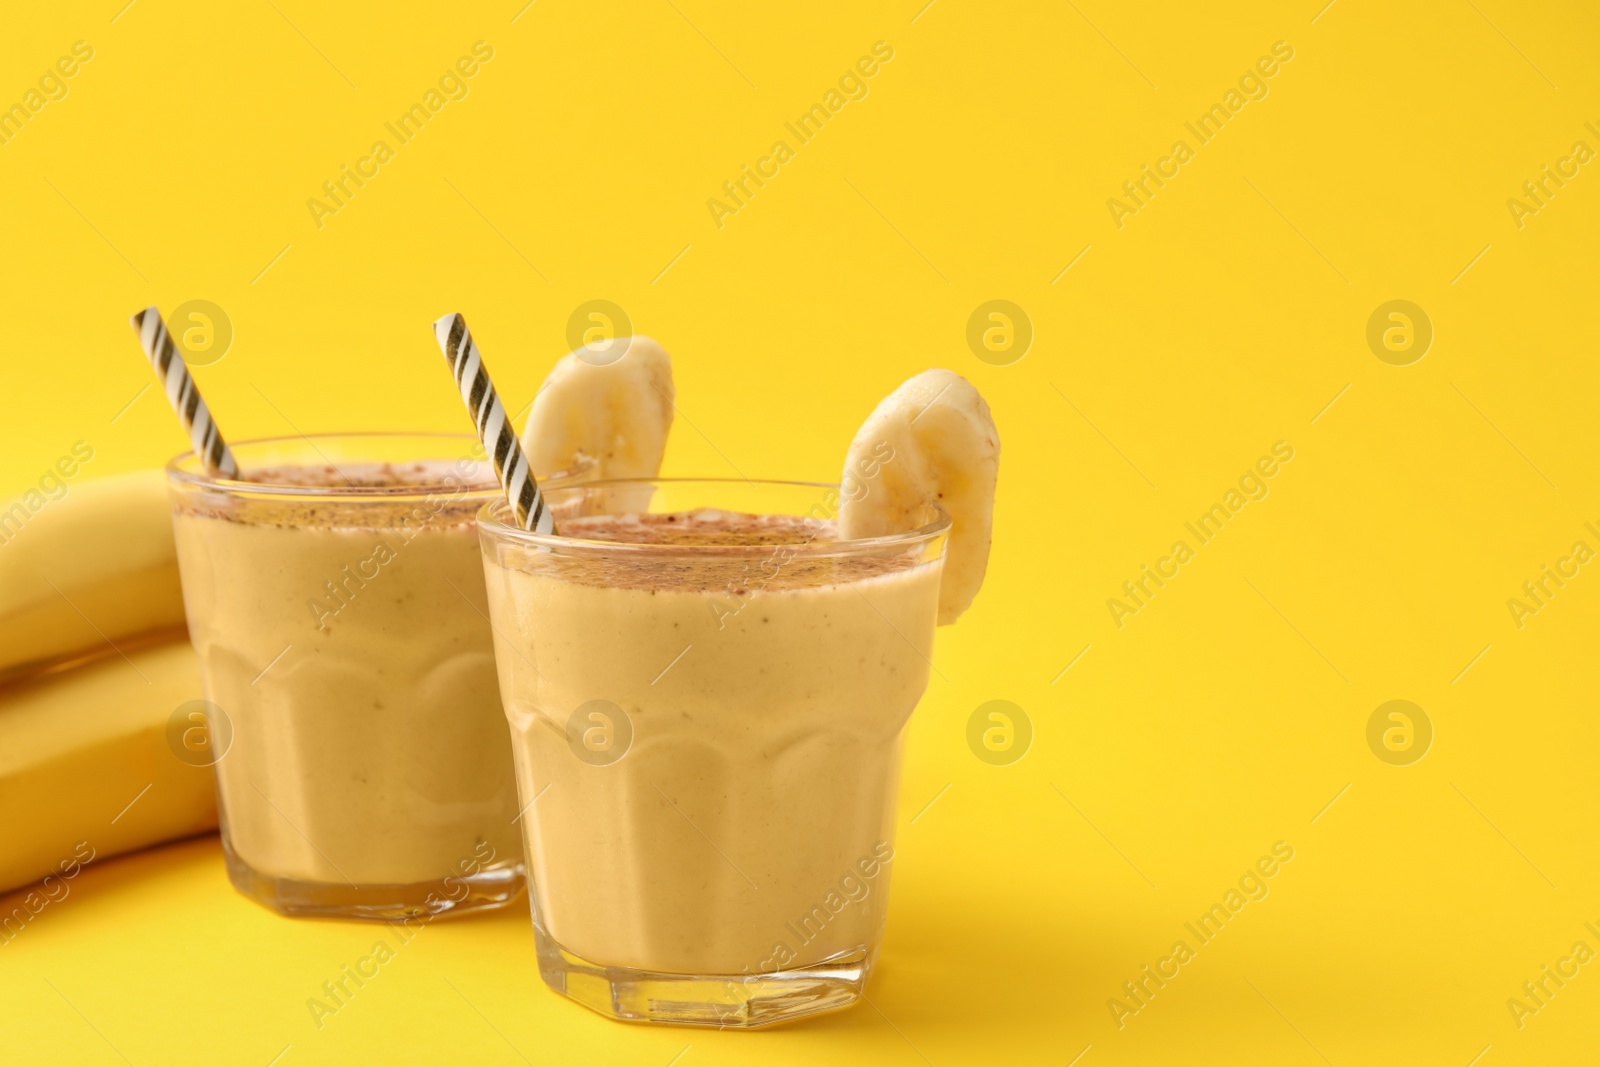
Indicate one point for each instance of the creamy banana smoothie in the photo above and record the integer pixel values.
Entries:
(708, 685)
(707, 709)
(335, 597)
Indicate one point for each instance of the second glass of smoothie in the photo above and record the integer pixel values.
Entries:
(336, 599)
(708, 692)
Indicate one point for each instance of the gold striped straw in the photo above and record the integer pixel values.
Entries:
(185, 398)
(494, 429)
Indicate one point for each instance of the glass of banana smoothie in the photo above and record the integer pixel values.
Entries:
(335, 596)
(708, 690)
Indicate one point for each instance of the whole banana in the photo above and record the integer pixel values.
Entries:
(86, 571)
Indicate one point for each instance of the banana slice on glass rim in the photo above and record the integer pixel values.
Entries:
(614, 410)
(930, 442)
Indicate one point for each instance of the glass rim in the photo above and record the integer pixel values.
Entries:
(493, 522)
(184, 469)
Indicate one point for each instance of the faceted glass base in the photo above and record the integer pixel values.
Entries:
(490, 888)
(724, 1001)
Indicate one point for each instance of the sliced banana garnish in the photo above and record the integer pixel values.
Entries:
(930, 442)
(614, 411)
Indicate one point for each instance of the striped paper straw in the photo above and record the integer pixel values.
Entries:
(494, 429)
(185, 398)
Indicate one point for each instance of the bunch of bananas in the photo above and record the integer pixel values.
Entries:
(95, 671)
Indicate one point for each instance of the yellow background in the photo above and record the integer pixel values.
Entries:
(1223, 317)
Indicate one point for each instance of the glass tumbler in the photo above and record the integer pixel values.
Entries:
(335, 598)
(708, 692)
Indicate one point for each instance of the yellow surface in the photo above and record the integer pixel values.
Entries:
(1222, 317)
